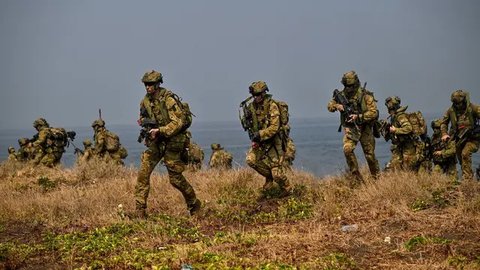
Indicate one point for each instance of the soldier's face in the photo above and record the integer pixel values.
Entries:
(258, 97)
(150, 87)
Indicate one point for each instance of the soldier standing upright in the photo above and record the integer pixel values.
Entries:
(463, 117)
(267, 133)
(443, 152)
(357, 117)
(167, 140)
(220, 159)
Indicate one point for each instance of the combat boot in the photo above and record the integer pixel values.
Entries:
(195, 207)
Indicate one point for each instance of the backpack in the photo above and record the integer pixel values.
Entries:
(57, 137)
(418, 123)
(112, 141)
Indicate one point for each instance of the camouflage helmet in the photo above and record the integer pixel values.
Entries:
(436, 123)
(40, 122)
(258, 87)
(98, 123)
(350, 78)
(216, 146)
(458, 96)
(152, 76)
(11, 150)
(87, 143)
(23, 141)
(392, 102)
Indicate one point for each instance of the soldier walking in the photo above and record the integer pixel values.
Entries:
(168, 140)
(267, 152)
(463, 117)
(357, 122)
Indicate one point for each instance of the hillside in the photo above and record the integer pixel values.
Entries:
(76, 218)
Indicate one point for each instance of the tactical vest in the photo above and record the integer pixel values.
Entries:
(157, 108)
(359, 104)
(454, 121)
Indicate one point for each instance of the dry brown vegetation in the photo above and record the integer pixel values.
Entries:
(67, 218)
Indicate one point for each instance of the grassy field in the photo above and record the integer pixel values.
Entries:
(76, 219)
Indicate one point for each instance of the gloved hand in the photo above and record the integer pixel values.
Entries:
(256, 137)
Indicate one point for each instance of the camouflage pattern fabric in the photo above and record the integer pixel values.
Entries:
(404, 154)
(26, 151)
(290, 153)
(267, 156)
(195, 156)
(100, 147)
(220, 159)
(46, 153)
(444, 160)
(463, 119)
(362, 132)
(11, 154)
(170, 145)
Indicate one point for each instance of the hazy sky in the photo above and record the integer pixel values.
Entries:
(64, 59)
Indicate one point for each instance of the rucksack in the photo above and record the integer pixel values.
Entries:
(112, 141)
(418, 123)
(57, 137)
(284, 115)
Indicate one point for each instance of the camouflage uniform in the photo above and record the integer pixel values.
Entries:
(101, 145)
(195, 156)
(360, 129)
(266, 155)
(45, 151)
(11, 154)
(220, 159)
(443, 152)
(169, 141)
(462, 115)
(404, 154)
(26, 151)
(87, 151)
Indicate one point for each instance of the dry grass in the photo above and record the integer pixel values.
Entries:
(70, 218)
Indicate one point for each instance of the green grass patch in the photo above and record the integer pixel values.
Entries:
(421, 240)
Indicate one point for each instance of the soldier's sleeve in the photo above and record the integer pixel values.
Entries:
(274, 123)
(450, 150)
(445, 122)
(42, 138)
(405, 125)
(99, 143)
(331, 105)
(476, 111)
(175, 115)
(371, 113)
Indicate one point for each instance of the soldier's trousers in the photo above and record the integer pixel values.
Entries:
(367, 141)
(268, 161)
(464, 156)
(172, 156)
(448, 168)
(404, 156)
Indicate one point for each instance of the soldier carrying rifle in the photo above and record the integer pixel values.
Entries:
(463, 117)
(358, 114)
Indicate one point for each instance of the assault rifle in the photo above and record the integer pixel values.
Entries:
(347, 108)
(246, 118)
(462, 135)
(147, 124)
(385, 130)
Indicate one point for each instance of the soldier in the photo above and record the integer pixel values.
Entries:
(463, 117)
(358, 126)
(404, 155)
(267, 155)
(87, 153)
(443, 155)
(168, 140)
(195, 155)
(11, 154)
(25, 151)
(220, 159)
(107, 143)
(48, 149)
